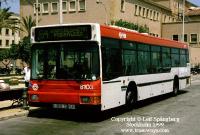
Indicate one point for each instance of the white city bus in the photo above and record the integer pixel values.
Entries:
(91, 65)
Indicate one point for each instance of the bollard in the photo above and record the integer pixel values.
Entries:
(24, 98)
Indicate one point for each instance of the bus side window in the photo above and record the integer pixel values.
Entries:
(176, 57)
(111, 58)
(129, 62)
(166, 59)
(183, 58)
(114, 64)
(155, 59)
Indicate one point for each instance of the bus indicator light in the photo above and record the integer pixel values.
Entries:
(35, 87)
(97, 100)
(93, 100)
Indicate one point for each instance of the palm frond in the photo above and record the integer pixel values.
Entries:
(28, 22)
(7, 20)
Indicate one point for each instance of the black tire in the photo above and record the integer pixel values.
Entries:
(175, 87)
(131, 97)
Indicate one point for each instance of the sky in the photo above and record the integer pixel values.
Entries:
(14, 4)
(197, 2)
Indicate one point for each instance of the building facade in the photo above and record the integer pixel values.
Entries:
(8, 37)
(151, 13)
(191, 33)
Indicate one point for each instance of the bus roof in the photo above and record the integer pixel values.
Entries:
(130, 35)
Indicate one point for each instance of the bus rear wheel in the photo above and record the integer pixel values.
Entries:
(131, 97)
(175, 87)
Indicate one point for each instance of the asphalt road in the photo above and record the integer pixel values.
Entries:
(164, 115)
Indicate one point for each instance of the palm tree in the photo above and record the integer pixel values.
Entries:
(7, 20)
(28, 22)
(24, 47)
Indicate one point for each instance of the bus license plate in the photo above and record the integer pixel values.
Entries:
(64, 106)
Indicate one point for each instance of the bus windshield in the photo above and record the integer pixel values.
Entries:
(71, 61)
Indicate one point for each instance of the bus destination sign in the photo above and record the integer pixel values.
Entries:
(81, 32)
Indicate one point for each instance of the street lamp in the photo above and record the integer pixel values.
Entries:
(100, 2)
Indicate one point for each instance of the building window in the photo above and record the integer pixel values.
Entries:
(154, 15)
(81, 5)
(13, 32)
(45, 8)
(185, 38)
(136, 10)
(193, 38)
(7, 31)
(143, 12)
(147, 13)
(54, 7)
(170, 19)
(157, 16)
(64, 6)
(165, 19)
(122, 5)
(35, 8)
(151, 14)
(174, 19)
(180, 6)
(0, 42)
(7, 43)
(140, 11)
(0, 31)
(72, 5)
(175, 37)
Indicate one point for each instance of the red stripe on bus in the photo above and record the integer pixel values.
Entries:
(63, 91)
(112, 32)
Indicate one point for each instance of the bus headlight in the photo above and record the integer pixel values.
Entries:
(34, 97)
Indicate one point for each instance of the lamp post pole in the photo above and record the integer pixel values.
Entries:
(183, 21)
(36, 12)
(60, 12)
(100, 2)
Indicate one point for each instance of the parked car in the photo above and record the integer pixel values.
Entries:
(195, 70)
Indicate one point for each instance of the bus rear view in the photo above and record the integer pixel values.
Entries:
(65, 69)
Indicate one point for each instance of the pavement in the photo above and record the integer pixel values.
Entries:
(8, 111)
